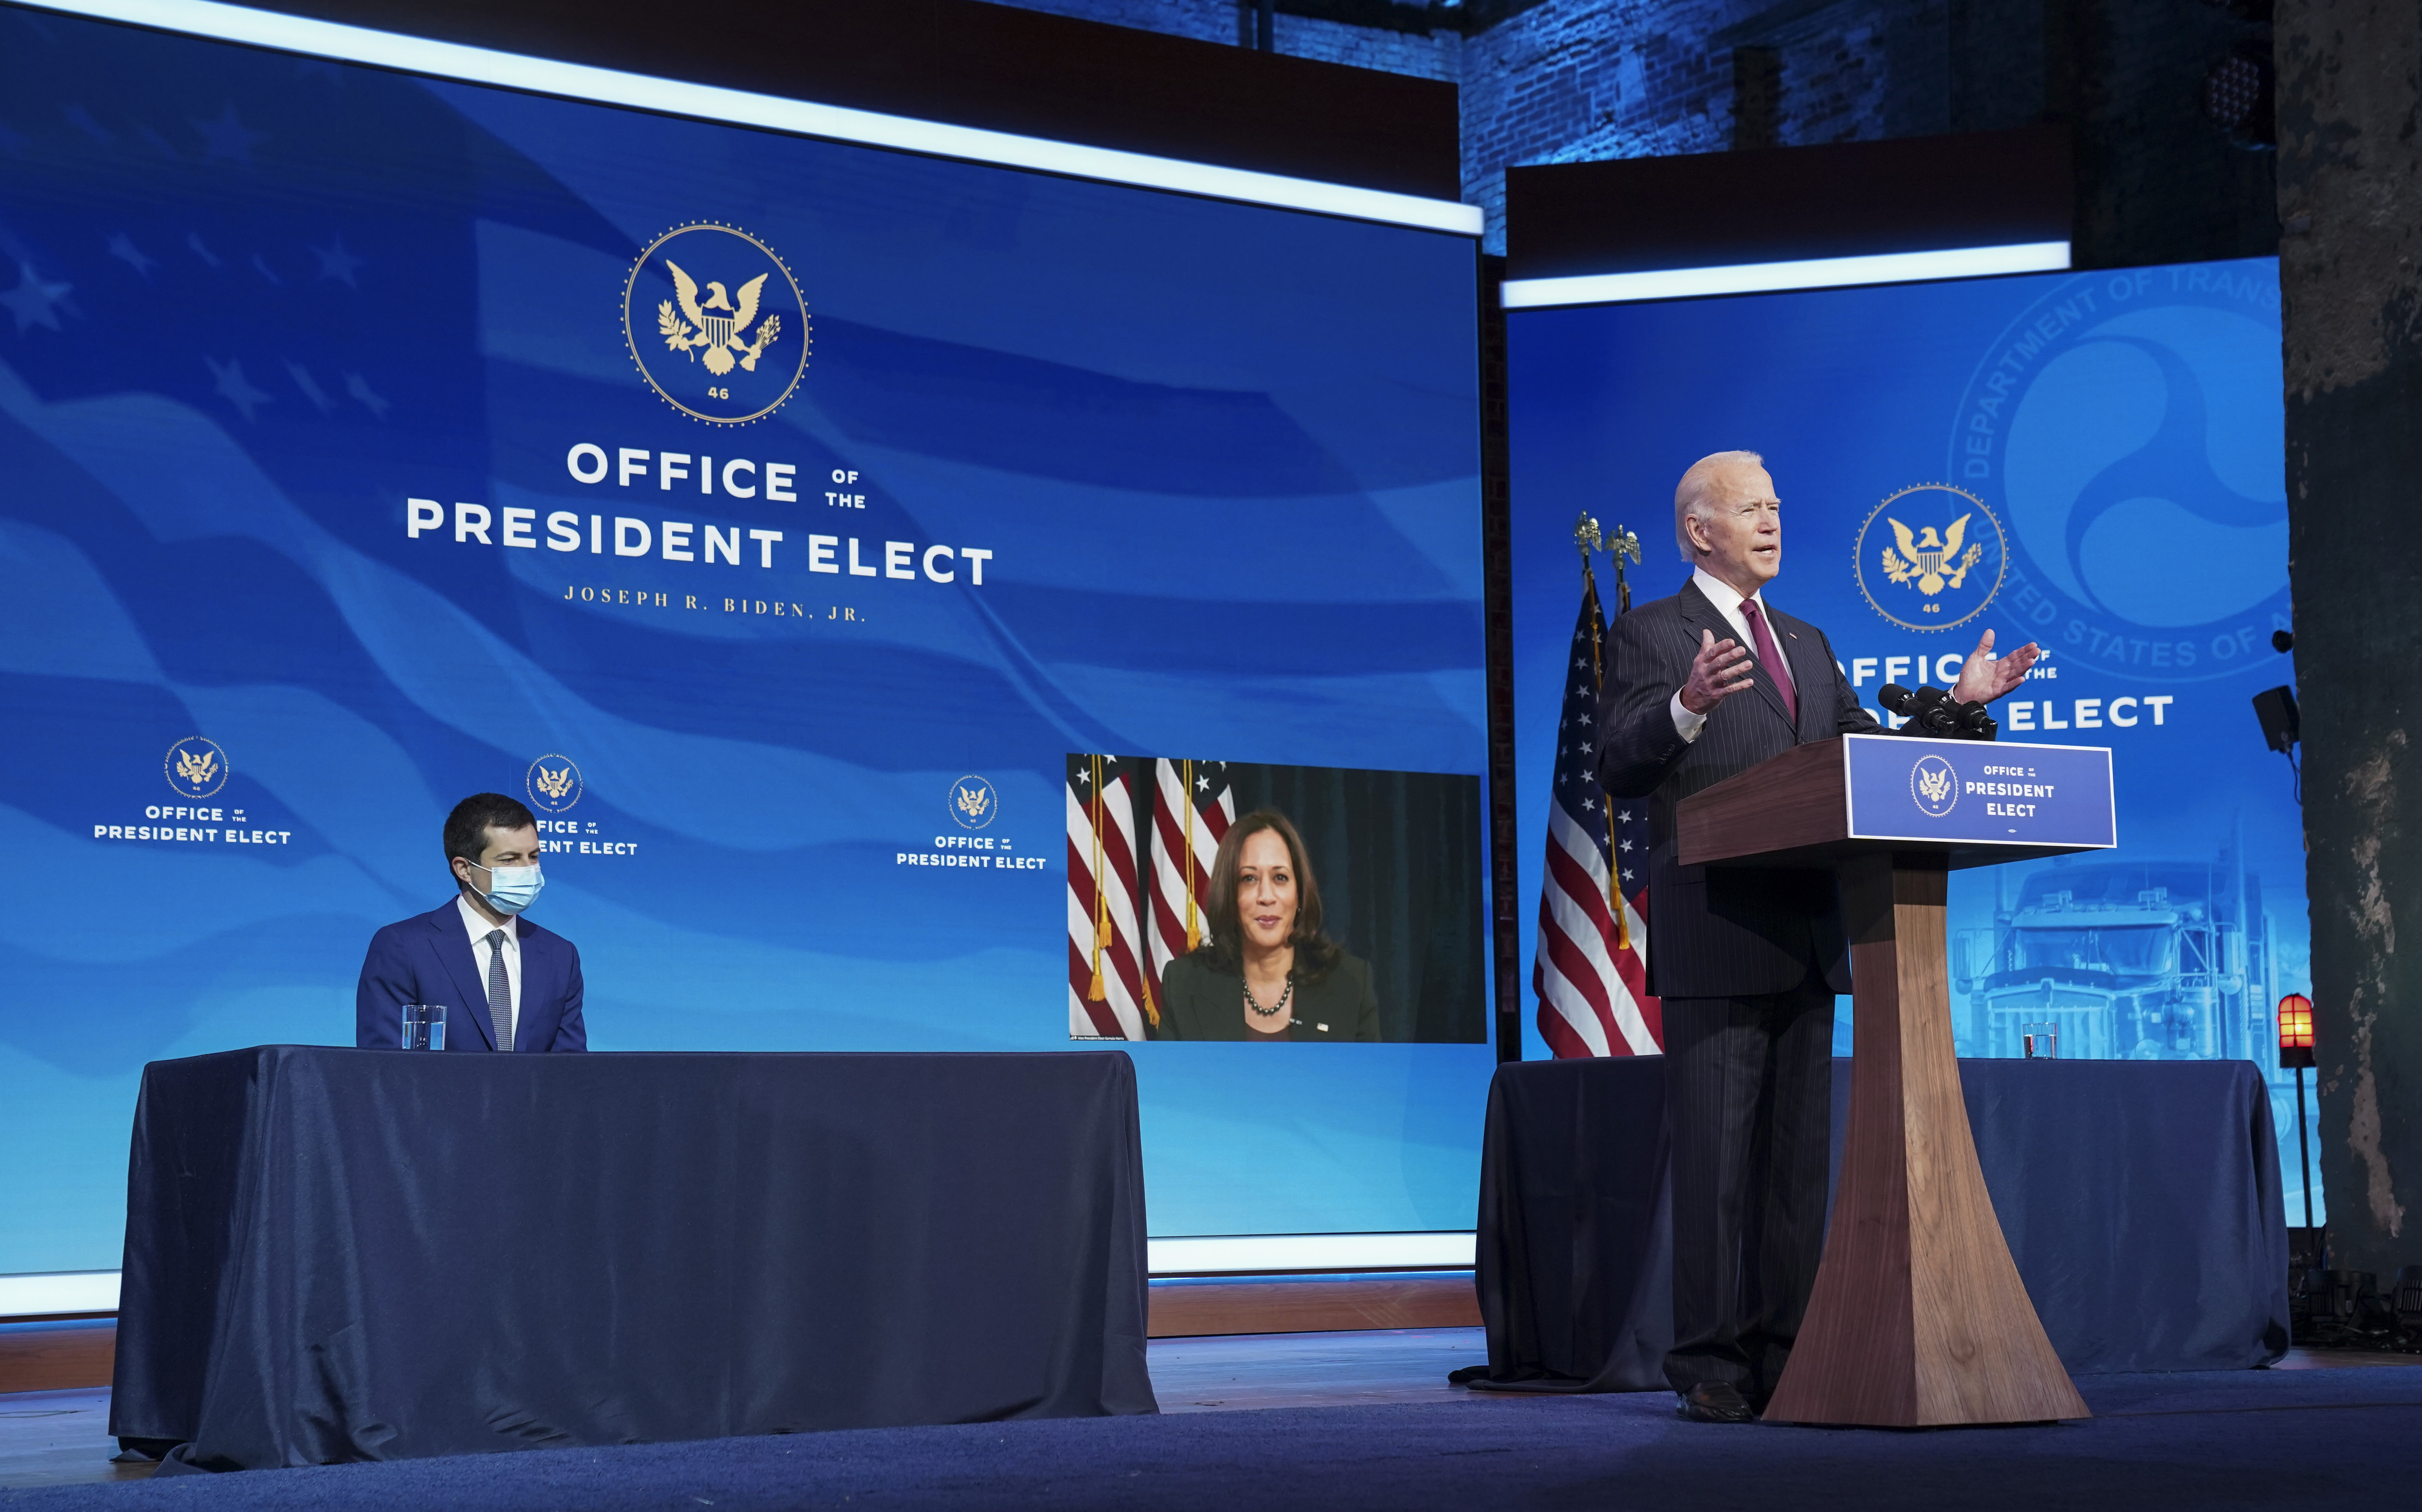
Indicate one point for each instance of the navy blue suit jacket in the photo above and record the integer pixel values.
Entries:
(1721, 931)
(429, 960)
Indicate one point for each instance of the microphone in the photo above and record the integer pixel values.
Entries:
(1937, 714)
(1931, 710)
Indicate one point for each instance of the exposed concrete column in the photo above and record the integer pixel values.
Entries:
(2349, 176)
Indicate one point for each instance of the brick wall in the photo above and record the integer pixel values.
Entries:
(1206, 21)
(1563, 80)
(1427, 57)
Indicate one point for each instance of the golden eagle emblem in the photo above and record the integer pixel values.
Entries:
(1935, 784)
(717, 335)
(973, 803)
(552, 788)
(1933, 563)
(197, 767)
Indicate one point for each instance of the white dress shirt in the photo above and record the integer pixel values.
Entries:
(1728, 600)
(511, 949)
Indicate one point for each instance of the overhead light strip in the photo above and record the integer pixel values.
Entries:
(1269, 1253)
(514, 70)
(57, 1292)
(1770, 277)
(96, 1291)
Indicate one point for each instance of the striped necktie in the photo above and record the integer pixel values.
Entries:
(500, 992)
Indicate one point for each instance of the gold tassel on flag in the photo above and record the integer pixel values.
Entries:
(1194, 916)
(1101, 893)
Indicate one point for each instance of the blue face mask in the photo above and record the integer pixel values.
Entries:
(511, 889)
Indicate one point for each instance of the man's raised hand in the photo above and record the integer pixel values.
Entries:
(1721, 669)
(1982, 679)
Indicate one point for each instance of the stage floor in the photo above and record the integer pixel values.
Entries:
(61, 1437)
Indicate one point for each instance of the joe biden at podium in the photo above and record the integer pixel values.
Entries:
(507, 983)
(1701, 687)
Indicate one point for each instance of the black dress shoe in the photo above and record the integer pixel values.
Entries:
(1713, 1401)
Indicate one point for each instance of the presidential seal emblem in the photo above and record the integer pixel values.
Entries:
(553, 783)
(196, 768)
(1934, 785)
(974, 805)
(1929, 557)
(717, 323)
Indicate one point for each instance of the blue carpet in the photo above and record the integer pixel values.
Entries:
(2310, 1439)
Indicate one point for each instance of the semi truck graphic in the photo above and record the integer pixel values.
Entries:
(2132, 960)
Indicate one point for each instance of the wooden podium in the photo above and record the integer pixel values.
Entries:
(1918, 1319)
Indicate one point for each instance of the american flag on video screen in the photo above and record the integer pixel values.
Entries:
(1591, 972)
(1191, 810)
(1105, 967)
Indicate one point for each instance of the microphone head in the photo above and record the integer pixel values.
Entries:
(1928, 696)
(1897, 699)
(1973, 716)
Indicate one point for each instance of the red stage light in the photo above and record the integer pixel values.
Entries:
(2295, 1030)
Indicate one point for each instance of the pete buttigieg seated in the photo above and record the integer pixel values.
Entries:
(430, 960)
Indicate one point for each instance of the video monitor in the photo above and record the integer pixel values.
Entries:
(2091, 461)
(749, 504)
(1354, 897)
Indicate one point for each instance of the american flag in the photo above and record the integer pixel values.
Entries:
(1191, 810)
(1591, 972)
(1106, 997)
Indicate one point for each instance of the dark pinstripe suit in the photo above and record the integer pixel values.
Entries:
(1747, 963)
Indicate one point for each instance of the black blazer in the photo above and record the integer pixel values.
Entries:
(1201, 1003)
(1721, 931)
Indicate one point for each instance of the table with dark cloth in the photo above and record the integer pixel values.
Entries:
(2141, 1201)
(346, 1254)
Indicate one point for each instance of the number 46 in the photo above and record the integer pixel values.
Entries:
(719, 393)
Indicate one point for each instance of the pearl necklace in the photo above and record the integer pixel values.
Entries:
(1273, 1011)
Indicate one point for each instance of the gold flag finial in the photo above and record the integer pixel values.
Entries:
(1622, 544)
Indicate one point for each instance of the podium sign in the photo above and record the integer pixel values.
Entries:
(1956, 803)
(1933, 791)
(1918, 1319)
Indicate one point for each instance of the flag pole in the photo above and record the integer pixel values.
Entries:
(1622, 543)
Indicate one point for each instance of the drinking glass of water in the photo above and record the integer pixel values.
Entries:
(424, 1026)
(2042, 1040)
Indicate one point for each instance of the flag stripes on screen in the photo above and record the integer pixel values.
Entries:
(1191, 810)
(1591, 970)
(1105, 964)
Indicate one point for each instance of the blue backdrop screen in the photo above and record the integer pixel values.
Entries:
(2093, 461)
(736, 499)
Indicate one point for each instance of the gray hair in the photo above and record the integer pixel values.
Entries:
(1691, 494)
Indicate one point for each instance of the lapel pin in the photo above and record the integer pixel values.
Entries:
(1322, 1027)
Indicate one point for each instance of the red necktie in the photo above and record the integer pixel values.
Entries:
(1775, 666)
